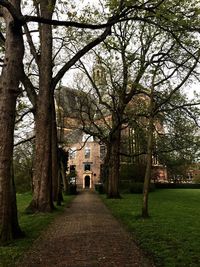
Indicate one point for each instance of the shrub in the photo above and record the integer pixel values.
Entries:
(23, 178)
(72, 189)
(71, 179)
(99, 188)
(176, 186)
(134, 187)
(196, 179)
(133, 172)
(23, 167)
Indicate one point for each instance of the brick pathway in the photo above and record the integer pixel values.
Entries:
(85, 235)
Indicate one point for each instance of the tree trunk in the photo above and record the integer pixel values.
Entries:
(42, 176)
(59, 190)
(9, 90)
(55, 168)
(63, 159)
(16, 231)
(64, 179)
(147, 179)
(114, 163)
(105, 170)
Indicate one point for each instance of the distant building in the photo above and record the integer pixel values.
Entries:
(85, 157)
(86, 153)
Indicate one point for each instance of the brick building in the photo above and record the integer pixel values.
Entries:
(86, 153)
(86, 157)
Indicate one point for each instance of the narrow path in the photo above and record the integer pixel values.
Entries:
(85, 235)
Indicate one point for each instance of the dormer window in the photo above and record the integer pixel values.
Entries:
(87, 138)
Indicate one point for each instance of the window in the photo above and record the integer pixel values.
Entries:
(87, 152)
(72, 168)
(72, 153)
(87, 138)
(102, 151)
(87, 167)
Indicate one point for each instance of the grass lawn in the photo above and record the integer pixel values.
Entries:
(32, 225)
(172, 233)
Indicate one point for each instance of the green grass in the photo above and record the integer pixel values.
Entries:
(172, 233)
(32, 225)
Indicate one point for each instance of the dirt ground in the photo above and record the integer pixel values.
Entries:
(85, 235)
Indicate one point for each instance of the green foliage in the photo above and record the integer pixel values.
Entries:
(71, 178)
(23, 178)
(32, 225)
(196, 179)
(177, 186)
(22, 165)
(133, 187)
(118, 4)
(132, 172)
(71, 174)
(100, 188)
(179, 146)
(136, 188)
(72, 189)
(171, 235)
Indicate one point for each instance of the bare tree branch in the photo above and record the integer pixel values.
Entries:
(24, 141)
(23, 115)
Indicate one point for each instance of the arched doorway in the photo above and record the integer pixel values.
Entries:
(87, 181)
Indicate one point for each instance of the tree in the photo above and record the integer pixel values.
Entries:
(174, 60)
(12, 73)
(46, 143)
(150, 13)
(42, 179)
(178, 148)
(160, 99)
(113, 95)
(9, 90)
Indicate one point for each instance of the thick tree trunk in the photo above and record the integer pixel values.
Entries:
(42, 176)
(16, 231)
(105, 174)
(9, 90)
(42, 181)
(114, 164)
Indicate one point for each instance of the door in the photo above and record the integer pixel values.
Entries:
(87, 181)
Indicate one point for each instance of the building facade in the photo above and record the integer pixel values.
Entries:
(85, 160)
(87, 153)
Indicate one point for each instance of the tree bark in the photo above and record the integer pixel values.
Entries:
(16, 231)
(114, 161)
(63, 177)
(54, 145)
(42, 176)
(147, 179)
(105, 173)
(63, 159)
(9, 90)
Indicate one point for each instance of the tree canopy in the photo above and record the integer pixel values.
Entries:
(146, 47)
